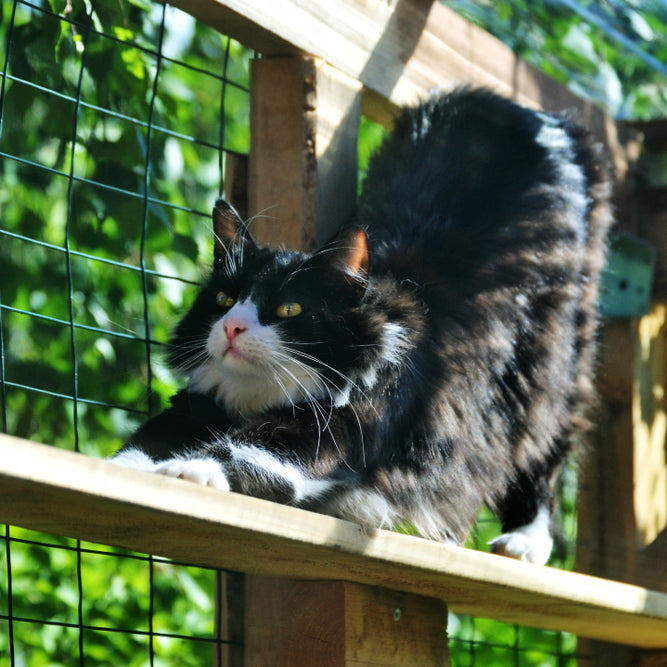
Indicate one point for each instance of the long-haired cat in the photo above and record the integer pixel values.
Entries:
(434, 356)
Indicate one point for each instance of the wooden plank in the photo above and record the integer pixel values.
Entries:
(62, 492)
(401, 50)
(338, 113)
(236, 182)
(649, 407)
(651, 659)
(304, 117)
(605, 519)
(623, 497)
(281, 179)
(229, 619)
(606, 543)
(302, 623)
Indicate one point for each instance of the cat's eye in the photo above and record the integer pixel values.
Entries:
(224, 300)
(289, 309)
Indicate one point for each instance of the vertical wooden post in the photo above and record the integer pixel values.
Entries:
(623, 496)
(229, 621)
(335, 624)
(605, 509)
(606, 535)
(303, 153)
(650, 450)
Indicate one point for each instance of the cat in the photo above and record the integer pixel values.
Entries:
(436, 355)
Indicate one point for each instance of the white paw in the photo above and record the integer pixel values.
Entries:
(523, 547)
(134, 458)
(206, 472)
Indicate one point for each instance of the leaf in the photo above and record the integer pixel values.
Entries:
(579, 41)
(640, 25)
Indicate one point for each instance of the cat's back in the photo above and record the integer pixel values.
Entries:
(463, 171)
(492, 217)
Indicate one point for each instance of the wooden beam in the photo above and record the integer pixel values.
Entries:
(652, 226)
(57, 491)
(339, 624)
(304, 117)
(400, 50)
(281, 175)
(649, 407)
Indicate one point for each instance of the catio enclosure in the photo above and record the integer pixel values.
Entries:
(121, 122)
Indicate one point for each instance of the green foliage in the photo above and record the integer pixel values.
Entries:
(588, 45)
(112, 157)
(96, 196)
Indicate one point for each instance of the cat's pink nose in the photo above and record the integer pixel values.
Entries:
(233, 328)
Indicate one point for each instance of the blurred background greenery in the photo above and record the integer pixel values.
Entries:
(116, 116)
(613, 52)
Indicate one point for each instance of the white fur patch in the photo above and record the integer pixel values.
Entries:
(134, 458)
(204, 471)
(556, 139)
(342, 397)
(531, 543)
(267, 466)
(394, 344)
(366, 507)
(551, 136)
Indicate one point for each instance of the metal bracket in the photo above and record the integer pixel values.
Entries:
(628, 276)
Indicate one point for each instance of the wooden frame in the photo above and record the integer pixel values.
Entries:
(329, 62)
(57, 491)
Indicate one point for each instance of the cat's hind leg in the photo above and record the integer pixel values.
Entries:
(526, 515)
(531, 542)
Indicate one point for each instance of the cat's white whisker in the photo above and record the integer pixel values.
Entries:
(316, 406)
(350, 383)
(332, 403)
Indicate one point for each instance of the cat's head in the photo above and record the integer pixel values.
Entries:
(276, 327)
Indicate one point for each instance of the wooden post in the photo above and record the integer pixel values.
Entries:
(623, 497)
(334, 624)
(229, 619)
(650, 453)
(304, 119)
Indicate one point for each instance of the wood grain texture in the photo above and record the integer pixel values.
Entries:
(338, 624)
(401, 49)
(303, 154)
(282, 175)
(61, 492)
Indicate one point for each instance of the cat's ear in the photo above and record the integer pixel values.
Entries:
(231, 233)
(348, 252)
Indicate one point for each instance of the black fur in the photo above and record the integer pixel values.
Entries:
(451, 329)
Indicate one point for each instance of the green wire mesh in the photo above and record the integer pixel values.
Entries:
(116, 119)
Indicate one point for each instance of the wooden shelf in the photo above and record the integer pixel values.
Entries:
(56, 491)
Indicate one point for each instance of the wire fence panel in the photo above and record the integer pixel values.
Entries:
(115, 122)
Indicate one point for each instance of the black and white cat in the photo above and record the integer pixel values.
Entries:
(435, 356)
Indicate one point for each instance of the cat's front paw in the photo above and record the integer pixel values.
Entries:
(206, 472)
(523, 547)
(134, 458)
